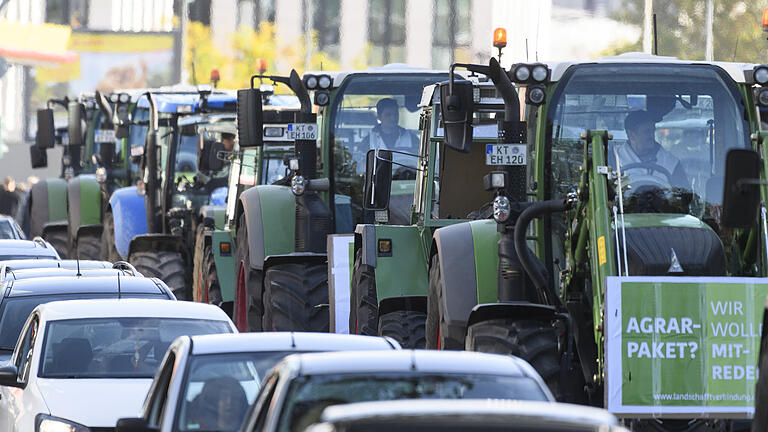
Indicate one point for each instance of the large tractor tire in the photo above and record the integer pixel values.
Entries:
(211, 282)
(58, 239)
(436, 330)
(406, 327)
(363, 302)
(198, 278)
(533, 341)
(166, 266)
(296, 298)
(248, 307)
(88, 247)
(108, 248)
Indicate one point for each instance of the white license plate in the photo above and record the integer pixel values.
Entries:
(505, 154)
(302, 131)
(105, 136)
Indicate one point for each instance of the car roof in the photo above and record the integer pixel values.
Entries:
(90, 284)
(429, 361)
(285, 341)
(126, 308)
(32, 248)
(28, 273)
(471, 411)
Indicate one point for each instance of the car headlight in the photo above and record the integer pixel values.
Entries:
(501, 209)
(46, 423)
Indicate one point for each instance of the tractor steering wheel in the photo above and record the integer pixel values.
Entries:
(638, 180)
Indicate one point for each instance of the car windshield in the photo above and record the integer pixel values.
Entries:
(15, 310)
(309, 395)
(25, 257)
(220, 387)
(358, 126)
(115, 347)
(441, 425)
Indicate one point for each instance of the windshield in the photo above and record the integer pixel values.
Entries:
(220, 387)
(374, 110)
(15, 310)
(309, 395)
(672, 126)
(115, 347)
(186, 156)
(273, 169)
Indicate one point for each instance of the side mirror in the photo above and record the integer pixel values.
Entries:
(38, 156)
(249, 118)
(8, 376)
(46, 131)
(75, 123)
(133, 425)
(204, 154)
(122, 127)
(214, 163)
(378, 180)
(457, 111)
(741, 194)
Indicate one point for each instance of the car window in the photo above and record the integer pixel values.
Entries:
(219, 388)
(24, 355)
(159, 391)
(115, 347)
(261, 407)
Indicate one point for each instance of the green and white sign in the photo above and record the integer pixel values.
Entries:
(683, 346)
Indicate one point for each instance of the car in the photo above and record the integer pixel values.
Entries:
(296, 391)
(20, 297)
(79, 365)
(36, 248)
(464, 415)
(19, 264)
(197, 369)
(121, 268)
(9, 229)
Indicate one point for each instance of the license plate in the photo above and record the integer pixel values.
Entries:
(302, 131)
(505, 154)
(105, 136)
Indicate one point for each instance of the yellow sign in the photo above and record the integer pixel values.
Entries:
(35, 44)
(601, 250)
(120, 42)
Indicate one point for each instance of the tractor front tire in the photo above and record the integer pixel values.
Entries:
(58, 239)
(108, 248)
(405, 326)
(296, 298)
(437, 333)
(533, 341)
(363, 302)
(88, 247)
(198, 276)
(248, 308)
(212, 293)
(166, 266)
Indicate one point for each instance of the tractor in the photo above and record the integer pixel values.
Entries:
(575, 221)
(281, 252)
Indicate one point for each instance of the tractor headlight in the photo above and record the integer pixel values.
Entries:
(501, 209)
(535, 95)
(762, 97)
(101, 175)
(293, 164)
(324, 82)
(297, 185)
(69, 172)
(46, 423)
(124, 98)
(310, 82)
(761, 74)
(522, 73)
(114, 97)
(540, 73)
(322, 98)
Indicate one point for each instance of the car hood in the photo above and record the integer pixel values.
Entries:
(92, 402)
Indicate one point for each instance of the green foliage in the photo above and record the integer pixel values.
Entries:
(681, 28)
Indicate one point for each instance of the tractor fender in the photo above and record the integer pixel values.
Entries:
(130, 217)
(295, 257)
(406, 303)
(403, 271)
(156, 243)
(515, 310)
(468, 257)
(49, 227)
(92, 230)
(270, 213)
(212, 216)
(83, 203)
(47, 203)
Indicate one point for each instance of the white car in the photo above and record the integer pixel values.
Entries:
(9, 229)
(198, 371)
(36, 248)
(295, 392)
(83, 364)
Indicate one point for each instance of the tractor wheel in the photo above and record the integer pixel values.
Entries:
(212, 293)
(436, 331)
(533, 341)
(363, 302)
(406, 327)
(88, 247)
(108, 248)
(198, 275)
(248, 308)
(296, 298)
(166, 266)
(58, 239)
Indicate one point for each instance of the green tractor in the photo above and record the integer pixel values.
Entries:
(599, 254)
(214, 264)
(281, 246)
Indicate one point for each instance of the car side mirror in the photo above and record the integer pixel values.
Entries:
(741, 194)
(378, 180)
(38, 156)
(9, 376)
(75, 123)
(133, 425)
(249, 118)
(457, 111)
(46, 130)
(214, 162)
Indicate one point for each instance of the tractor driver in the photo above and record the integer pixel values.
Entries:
(228, 140)
(388, 134)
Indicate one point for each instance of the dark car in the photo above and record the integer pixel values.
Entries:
(20, 297)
